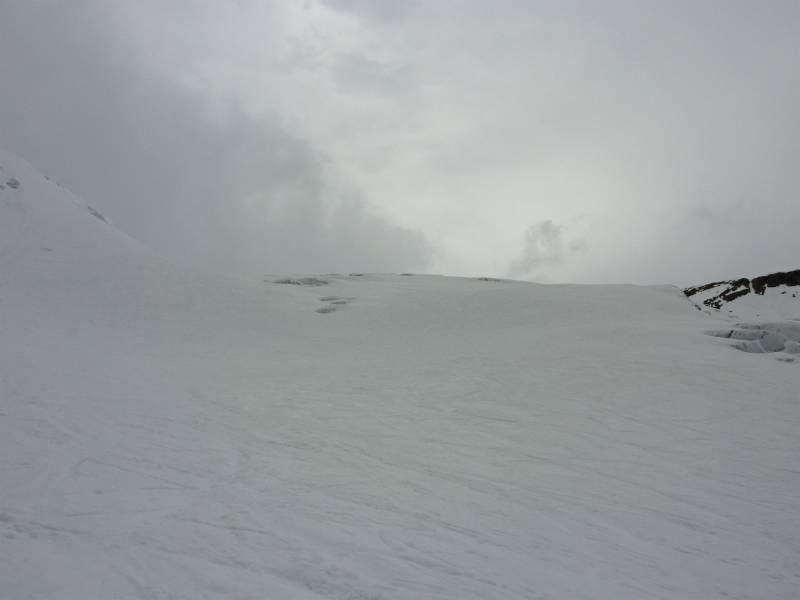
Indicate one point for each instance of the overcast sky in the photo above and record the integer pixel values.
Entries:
(620, 141)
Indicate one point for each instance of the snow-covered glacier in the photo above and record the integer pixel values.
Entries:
(168, 434)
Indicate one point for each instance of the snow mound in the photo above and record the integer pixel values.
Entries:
(47, 232)
(46, 212)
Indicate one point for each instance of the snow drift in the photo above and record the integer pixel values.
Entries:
(168, 434)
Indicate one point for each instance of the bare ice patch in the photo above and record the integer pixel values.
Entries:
(765, 338)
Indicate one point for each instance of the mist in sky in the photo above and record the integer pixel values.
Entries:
(636, 141)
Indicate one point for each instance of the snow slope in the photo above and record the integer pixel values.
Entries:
(773, 296)
(766, 312)
(168, 435)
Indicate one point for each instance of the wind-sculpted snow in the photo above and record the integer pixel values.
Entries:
(167, 435)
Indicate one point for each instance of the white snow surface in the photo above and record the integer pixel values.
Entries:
(166, 434)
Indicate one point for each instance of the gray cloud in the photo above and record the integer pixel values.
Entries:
(547, 246)
(673, 127)
(359, 71)
(382, 10)
(636, 115)
(204, 183)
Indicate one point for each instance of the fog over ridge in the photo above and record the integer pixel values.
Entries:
(659, 139)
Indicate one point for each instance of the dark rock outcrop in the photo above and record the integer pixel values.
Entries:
(760, 284)
(736, 288)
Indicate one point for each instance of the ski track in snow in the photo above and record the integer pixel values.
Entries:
(168, 435)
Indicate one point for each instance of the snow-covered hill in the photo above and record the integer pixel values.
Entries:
(167, 434)
(766, 310)
(773, 296)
